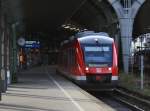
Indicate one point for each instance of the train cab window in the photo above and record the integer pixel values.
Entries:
(98, 55)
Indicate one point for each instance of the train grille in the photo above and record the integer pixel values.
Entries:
(103, 78)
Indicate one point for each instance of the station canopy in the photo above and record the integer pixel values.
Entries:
(52, 16)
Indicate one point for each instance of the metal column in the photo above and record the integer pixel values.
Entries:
(3, 58)
(0, 67)
(126, 12)
(3, 73)
(8, 57)
(14, 44)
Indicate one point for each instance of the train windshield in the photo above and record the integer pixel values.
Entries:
(98, 55)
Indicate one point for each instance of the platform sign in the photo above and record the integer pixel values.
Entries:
(32, 44)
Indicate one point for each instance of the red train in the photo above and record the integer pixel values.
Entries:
(89, 58)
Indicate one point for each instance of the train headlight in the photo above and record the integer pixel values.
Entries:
(109, 68)
(86, 68)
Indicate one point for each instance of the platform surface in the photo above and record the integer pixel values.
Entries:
(41, 89)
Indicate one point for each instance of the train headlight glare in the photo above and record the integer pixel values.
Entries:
(86, 68)
(109, 68)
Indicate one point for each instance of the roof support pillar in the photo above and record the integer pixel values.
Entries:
(14, 61)
(126, 11)
(3, 55)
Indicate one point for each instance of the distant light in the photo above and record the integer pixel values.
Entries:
(78, 29)
(86, 68)
(96, 39)
(63, 25)
(73, 28)
(67, 27)
(109, 68)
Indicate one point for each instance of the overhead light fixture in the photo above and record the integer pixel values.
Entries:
(67, 27)
(63, 25)
(72, 28)
(77, 29)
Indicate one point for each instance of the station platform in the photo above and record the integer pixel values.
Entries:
(41, 89)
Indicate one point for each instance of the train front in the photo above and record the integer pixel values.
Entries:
(100, 59)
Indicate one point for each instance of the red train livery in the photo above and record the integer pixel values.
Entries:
(89, 57)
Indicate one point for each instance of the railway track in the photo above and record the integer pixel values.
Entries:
(131, 99)
(123, 100)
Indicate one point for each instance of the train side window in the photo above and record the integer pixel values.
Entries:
(70, 56)
(74, 57)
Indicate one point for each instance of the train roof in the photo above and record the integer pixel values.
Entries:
(90, 37)
(88, 33)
